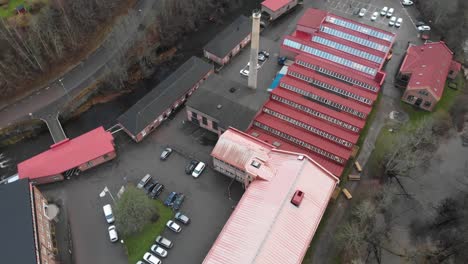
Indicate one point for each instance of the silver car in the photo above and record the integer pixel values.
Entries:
(160, 240)
(158, 250)
(173, 226)
(182, 218)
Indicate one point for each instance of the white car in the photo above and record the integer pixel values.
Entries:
(113, 234)
(108, 213)
(374, 16)
(398, 22)
(245, 72)
(407, 3)
(390, 12)
(198, 170)
(392, 21)
(158, 250)
(173, 226)
(424, 28)
(151, 259)
(362, 12)
(384, 10)
(160, 240)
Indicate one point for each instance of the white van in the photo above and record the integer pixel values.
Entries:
(198, 170)
(108, 213)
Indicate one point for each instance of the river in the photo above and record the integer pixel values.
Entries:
(105, 114)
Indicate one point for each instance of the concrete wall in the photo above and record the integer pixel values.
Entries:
(412, 96)
(45, 230)
(93, 163)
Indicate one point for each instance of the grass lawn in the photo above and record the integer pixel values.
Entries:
(140, 243)
(9, 9)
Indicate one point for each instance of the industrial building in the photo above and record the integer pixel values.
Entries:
(272, 9)
(229, 42)
(286, 196)
(69, 157)
(424, 71)
(155, 107)
(220, 103)
(321, 105)
(27, 230)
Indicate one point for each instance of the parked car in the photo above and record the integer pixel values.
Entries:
(173, 226)
(384, 10)
(191, 166)
(362, 12)
(170, 199)
(178, 201)
(151, 259)
(157, 190)
(149, 186)
(198, 170)
(166, 153)
(158, 250)
(390, 12)
(108, 213)
(420, 23)
(407, 3)
(143, 181)
(398, 22)
(424, 28)
(245, 72)
(265, 53)
(182, 218)
(113, 234)
(140, 262)
(162, 241)
(374, 16)
(261, 57)
(392, 21)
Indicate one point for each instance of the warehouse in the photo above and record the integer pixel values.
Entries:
(220, 103)
(322, 103)
(286, 196)
(424, 71)
(27, 229)
(155, 107)
(229, 42)
(69, 157)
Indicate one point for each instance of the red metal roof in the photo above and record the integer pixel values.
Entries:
(344, 117)
(264, 223)
(333, 167)
(274, 5)
(304, 135)
(312, 121)
(429, 66)
(312, 18)
(68, 154)
(332, 97)
(351, 73)
(339, 84)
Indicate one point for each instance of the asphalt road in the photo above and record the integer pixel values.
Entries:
(59, 91)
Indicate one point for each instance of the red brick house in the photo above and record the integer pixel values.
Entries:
(275, 8)
(68, 157)
(424, 71)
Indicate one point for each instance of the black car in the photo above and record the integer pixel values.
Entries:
(149, 186)
(190, 167)
(157, 190)
(420, 23)
(265, 53)
(178, 201)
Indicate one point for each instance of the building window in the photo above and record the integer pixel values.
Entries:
(106, 156)
(215, 125)
(90, 164)
(424, 92)
(427, 104)
(194, 114)
(410, 98)
(204, 121)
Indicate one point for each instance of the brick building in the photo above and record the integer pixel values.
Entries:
(229, 42)
(69, 157)
(220, 103)
(155, 107)
(28, 232)
(424, 71)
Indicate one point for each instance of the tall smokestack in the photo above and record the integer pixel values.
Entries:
(254, 46)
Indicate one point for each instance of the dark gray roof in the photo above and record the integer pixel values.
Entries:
(17, 236)
(164, 95)
(230, 37)
(238, 108)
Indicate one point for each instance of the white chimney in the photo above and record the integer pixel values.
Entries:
(254, 47)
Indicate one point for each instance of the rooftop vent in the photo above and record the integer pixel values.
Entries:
(276, 144)
(232, 89)
(219, 106)
(255, 134)
(300, 157)
(255, 164)
(297, 198)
